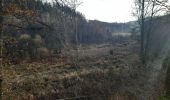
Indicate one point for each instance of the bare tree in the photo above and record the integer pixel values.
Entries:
(73, 4)
(146, 10)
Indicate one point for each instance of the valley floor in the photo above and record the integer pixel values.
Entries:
(96, 72)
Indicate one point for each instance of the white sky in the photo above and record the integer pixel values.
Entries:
(107, 10)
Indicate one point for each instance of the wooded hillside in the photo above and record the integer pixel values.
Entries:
(33, 29)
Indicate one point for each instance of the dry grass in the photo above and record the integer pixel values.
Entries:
(97, 73)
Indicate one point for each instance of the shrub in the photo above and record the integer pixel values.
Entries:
(25, 46)
(10, 47)
(42, 52)
(38, 40)
(24, 37)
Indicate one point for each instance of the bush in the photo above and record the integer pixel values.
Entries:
(24, 48)
(42, 52)
(24, 37)
(10, 47)
(38, 40)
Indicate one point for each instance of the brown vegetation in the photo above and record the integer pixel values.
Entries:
(105, 76)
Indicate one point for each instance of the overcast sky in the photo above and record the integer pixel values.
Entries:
(107, 10)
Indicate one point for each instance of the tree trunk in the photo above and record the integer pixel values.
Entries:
(143, 32)
(149, 31)
(1, 45)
